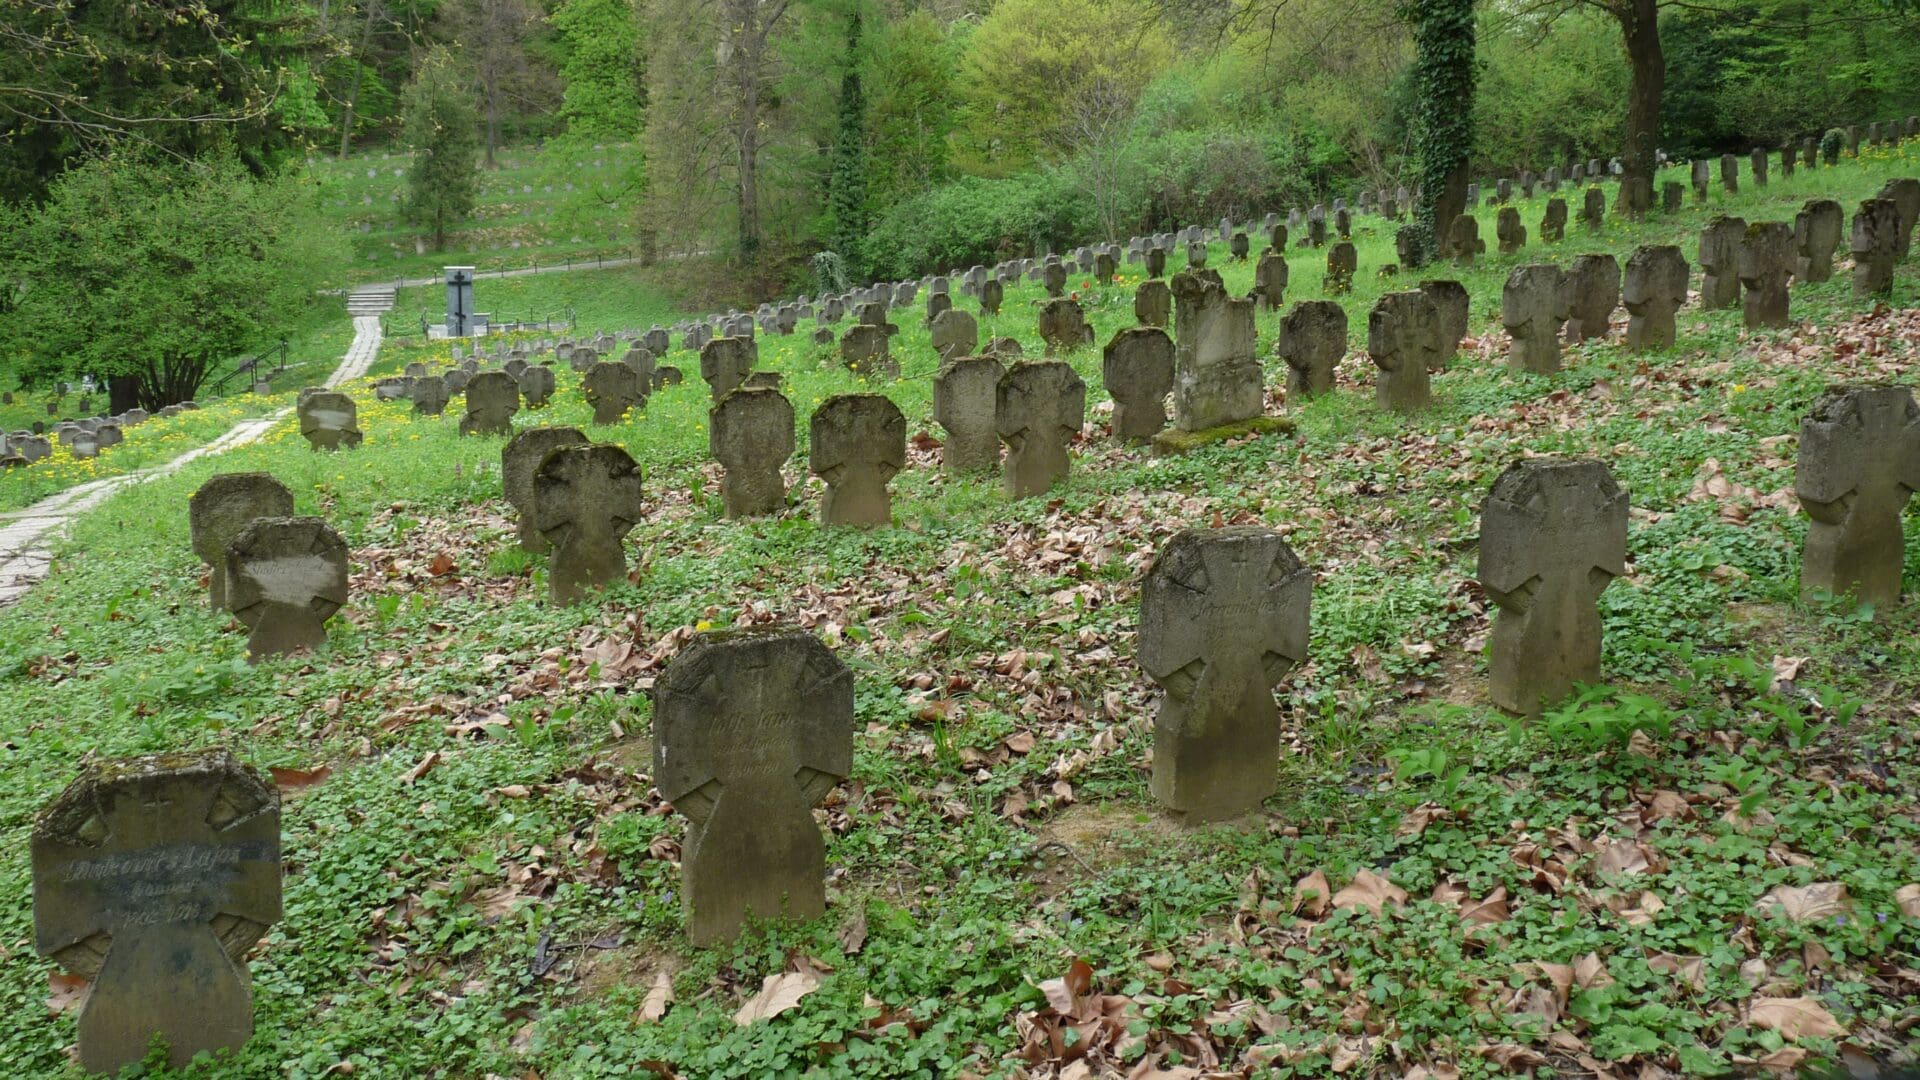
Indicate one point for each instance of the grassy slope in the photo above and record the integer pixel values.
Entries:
(507, 907)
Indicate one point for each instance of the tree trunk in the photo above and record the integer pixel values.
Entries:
(1640, 24)
(353, 95)
(749, 193)
(493, 125)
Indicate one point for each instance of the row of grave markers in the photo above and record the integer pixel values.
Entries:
(154, 876)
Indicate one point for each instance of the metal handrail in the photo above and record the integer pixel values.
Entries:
(251, 366)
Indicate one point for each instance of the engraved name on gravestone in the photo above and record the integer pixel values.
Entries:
(285, 578)
(153, 877)
(752, 728)
(1223, 618)
(585, 501)
(221, 509)
(1553, 535)
(751, 435)
(1137, 371)
(857, 443)
(519, 457)
(964, 398)
(1859, 464)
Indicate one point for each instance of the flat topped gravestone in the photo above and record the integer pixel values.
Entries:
(1063, 325)
(751, 728)
(1533, 305)
(1223, 618)
(492, 399)
(429, 395)
(751, 434)
(285, 578)
(1038, 409)
(964, 396)
(1403, 341)
(521, 455)
(221, 509)
(1766, 262)
(536, 384)
(1653, 288)
(1137, 371)
(585, 501)
(857, 443)
(612, 389)
(1859, 464)
(1720, 262)
(724, 363)
(153, 877)
(1216, 378)
(1593, 291)
(1313, 338)
(1553, 535)
(1816, 235)
(329, 420)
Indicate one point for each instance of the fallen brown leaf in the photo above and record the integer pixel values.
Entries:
(1371, 891)
(1806, 903)
(1794, 1018)
(658, 998)
(778, 993)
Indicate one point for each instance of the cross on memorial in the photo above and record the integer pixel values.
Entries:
(857, 443)
(751, 435)
(1533, 305)
(285, 578)
(1137, 371)
(1859, 465)
(585, 501)
(329, 420)
(221, 509)
(1653, 288)
(612, 389)
(492, 399)
(964, 395)
(1313, 338)
(1039, 407)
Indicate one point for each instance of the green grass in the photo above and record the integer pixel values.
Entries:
(416, 908)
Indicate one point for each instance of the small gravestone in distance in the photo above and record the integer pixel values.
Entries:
(864, 350)
(1512, 234)
(1858, 467)
(429, 394)
(1216, 378)
(1653, 288)
(1313, 338)
(937, 304)
(516, 366)
(1766, 262)
(1720, 262)
(1553, 221)
(1701, 177)
(585, 501)
(1593, 212)
(857, 443)
(1196, 254)
(521, 455)
(1672, 196)
(1904, 193)
(992, 295)
(751, 728)
(329, 420)
(751, 434)
(1403, 341)
(1553, 535)
(285, 578)
(954, 333)
(492, 399)
(724, 363)
(1450, 301)
(1816, 235)
(1063, 326)
(1053, 276)
(1342, 262)
(415, 370)
(582, 359)
(1463, 240)
(1223, 618)
(153, 877)
(641, 360)
(1872, 241)
(963, 402)
(1269, 281)
(1533, 305)
(1039, 408)
(1153, 302)
(1239, 247)
(612, 389)
(1593, 291)
(1730, 173)
(221, 509)
(1137, 371)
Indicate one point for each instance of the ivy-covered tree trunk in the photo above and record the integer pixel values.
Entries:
(847, 194)
(1443, 79)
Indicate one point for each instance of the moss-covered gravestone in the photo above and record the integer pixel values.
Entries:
(1223, 618)
(285, 578)
(1816, 235)
(585, 501)
(1873, 240)
(857, 443)
(1451, 303)
(1766, 263)
(1553, 535)
(521, 455)
(1137, 371)
(751, 434)
(1859, 465)
(221, 509)
(536, 383)
(964, 393)
(1063, 325)
(751, 729)
(492, 399)
(152, 878)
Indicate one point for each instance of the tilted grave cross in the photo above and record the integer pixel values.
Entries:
(519, 457)
(612, 389)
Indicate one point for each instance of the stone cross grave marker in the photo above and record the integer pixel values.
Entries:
(954, 333)
(221, 509)
(1766, 262)
(1593, 291)
(1720, 262)
(644, 364)
(1905, 195)
(1153, 302)
(1216, 376)
(857, 443)
(1223, 618)
(724, 363)
(1874, 239)
(1593, 211)
(1859, 464)
(1063, 326)
(1156, 260)
(519, 457)
(1054, 277)
(1533, 306)
(1816, 235)
(285, 578)
(1269, 281)
(992, 295)
(1730, 173)
(1137, 371)
(153, 877)
(329, 420)
(1039, 407)
(429, 395)
(1463, 239)
(492, 399)
(1553, 535)
(1342, 262)
(864, 350)
(1313, 338)
(964, 396)
(751, 729)
(1553, 221)
(1653, 288)
(937, 304)
(612, 389)
(1403, 341)
(1197, 254)
(585, 501)
(751, 434)
(1450, 301)
(1512, 234)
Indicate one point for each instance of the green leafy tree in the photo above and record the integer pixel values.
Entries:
(141, 265)
(605, 96)
(911, 74)
(443, 132)
(847, 192)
